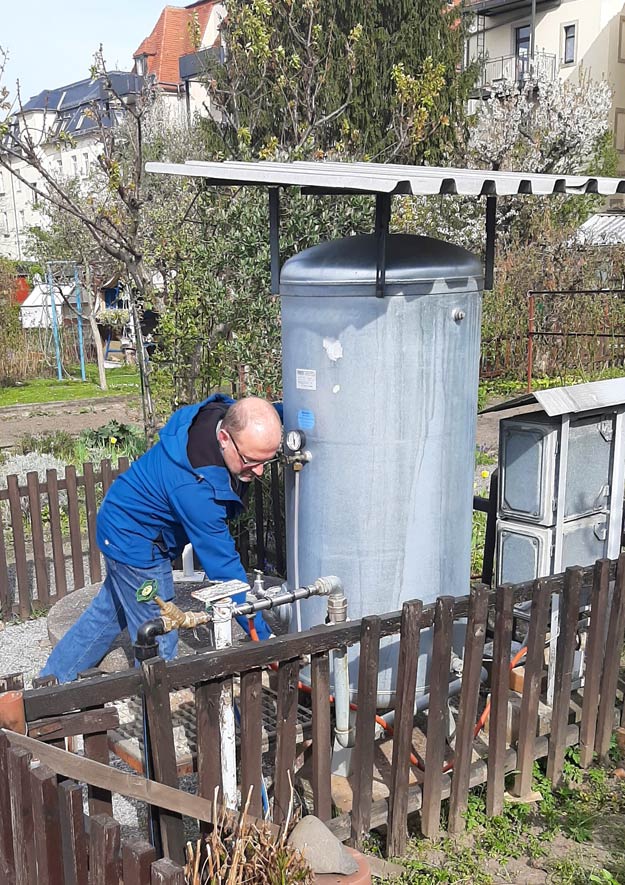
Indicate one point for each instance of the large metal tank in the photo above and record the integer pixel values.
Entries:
(385, 390)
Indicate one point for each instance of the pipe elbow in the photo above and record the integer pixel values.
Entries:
(146, 645)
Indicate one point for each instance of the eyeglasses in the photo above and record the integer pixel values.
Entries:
(246, 461)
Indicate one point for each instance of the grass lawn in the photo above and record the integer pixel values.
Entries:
(124, 380)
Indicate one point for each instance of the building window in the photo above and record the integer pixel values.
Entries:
(621, 40)
(5, 223)
(619, 130)
(22, 219)
(568, 45)
(85, 162)
(522, 39)
(75, 164)
(18, 185)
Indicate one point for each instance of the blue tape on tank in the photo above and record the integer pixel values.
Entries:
(305, 419)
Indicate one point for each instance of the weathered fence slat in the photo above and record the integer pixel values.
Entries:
(97, 748)
(165, 872)
(534, 667)
(163, 751)
(7, 863)
(404, 718)
(437, 715)
(19, 546)
(365, 729)
(286, 721)
(73, 838)
(565, 655)
(95, 571)
(39, 544)
(500, 683)
(260, 525)
(251, 739)
(207, 696)
(104, 845)
(58, 554)
(47, 826)
(613, 651)
(22, 816)
(123, 464)
(73, 509)
(469, 697)
(6, 594)
(594, 660)
(321, 749)
(107, 475)
(137, 859)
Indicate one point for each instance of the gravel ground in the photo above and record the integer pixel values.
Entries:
(24, 648)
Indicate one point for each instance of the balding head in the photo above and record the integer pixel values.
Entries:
(250, 434)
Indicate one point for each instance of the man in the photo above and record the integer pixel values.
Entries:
(183, 489)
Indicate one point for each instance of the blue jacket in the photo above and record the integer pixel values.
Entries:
(161, 503)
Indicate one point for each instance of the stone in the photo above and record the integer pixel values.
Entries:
(321, 849)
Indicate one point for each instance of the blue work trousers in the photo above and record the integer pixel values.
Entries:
(115, 607)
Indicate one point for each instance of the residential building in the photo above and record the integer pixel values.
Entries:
(177, 51)
(558, 38)
(65, 123)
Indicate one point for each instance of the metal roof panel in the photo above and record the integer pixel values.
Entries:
(387, 178)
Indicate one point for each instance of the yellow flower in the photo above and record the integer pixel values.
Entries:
(112, 440)
(485, 474)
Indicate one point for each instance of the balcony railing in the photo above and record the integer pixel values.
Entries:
(516, 69)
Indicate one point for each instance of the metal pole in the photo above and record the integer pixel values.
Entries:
(55, 326)
(222, 626)
(81, 345)
(491, 232)
(533, 40)
(530, 340)
(274, 238)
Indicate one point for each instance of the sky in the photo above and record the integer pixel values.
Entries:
(51, 42)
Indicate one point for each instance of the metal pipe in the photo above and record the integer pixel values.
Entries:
(321, 587)
(337, 614)
(423, 701)
(223, 612)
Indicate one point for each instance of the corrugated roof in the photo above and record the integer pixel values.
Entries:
(83, 93)
(387, 178)
(602, 229)
(572, 399)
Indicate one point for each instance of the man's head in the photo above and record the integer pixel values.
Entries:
(249, 435)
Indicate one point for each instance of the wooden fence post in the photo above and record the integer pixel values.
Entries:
(39, 547)
(22, 816)
(6, 595)
(7, 863)
(438, 716)
(58, 553)
(534, 666)
(104, 856)
(137, 859)
(158, 710)
(565, 655)
(47, 825)
(365, 729)
(404, 719)
(207, 696)
(252, 740)
(95, 570)
(611, 660)
(73, 838)
(500, 686)
(286, 722)
(594, 660)
(469, 697)
(19, 546)
(321, 736)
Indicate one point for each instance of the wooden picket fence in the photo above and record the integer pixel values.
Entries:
(40, 809)
(48, 547)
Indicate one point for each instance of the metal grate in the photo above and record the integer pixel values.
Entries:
(127, 739)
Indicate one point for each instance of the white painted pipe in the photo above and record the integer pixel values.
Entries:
(222, 625)
(188, 569)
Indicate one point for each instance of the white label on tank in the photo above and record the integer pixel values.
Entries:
(306, 379)
(333, 348)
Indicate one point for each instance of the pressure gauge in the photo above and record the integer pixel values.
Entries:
(295, 441)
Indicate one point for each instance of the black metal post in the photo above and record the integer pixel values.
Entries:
(491, 233)
(382, 221)
(274, 238)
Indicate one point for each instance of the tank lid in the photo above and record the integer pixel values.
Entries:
(414, 266)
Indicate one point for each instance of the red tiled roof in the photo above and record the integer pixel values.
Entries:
(171, 38)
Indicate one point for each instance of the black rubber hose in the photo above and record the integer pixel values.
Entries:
(146, 646)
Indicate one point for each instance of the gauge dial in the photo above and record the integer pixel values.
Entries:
(295, 441)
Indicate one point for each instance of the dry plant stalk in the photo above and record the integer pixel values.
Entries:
(244, 854)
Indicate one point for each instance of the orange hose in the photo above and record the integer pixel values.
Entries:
(479, 725)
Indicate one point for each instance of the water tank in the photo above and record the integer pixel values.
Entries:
(385, 390)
